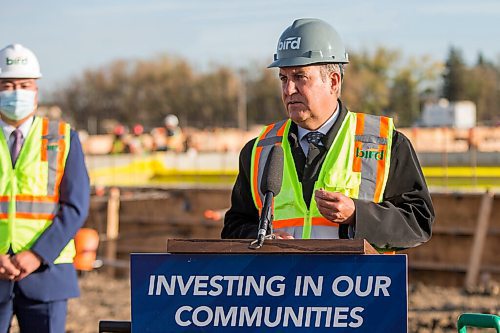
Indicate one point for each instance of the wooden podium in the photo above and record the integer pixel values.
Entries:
(281, 246)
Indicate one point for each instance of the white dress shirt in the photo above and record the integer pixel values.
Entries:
(323, 129)
(8, 129)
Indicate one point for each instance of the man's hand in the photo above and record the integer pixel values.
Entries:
(8, 271)
(335, 206)
(282, 235)
(27, 262)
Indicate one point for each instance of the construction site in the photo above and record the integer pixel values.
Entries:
(193, 166)
(140, 201)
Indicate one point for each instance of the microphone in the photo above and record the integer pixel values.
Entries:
(271, 187)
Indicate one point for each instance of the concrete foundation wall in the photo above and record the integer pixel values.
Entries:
(149, 217)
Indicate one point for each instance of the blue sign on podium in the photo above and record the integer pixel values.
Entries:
(268, 293)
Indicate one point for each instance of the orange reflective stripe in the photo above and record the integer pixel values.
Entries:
(62, 128)
(267, 130)
(45, 126)
(45, 142)
(358, 145)
(54, 153)
(281, 130)
(384, 127)
(4, 198)
(4, 216)
(35, 216)
(384, 132)
(28, 197)
(360, 123)
(255, 176)
(296, 222)
(299, 222)
(321, 221)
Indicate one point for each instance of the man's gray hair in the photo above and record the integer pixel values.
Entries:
(327, 69)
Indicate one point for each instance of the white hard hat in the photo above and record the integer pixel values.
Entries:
(171, 120)
(18, 62)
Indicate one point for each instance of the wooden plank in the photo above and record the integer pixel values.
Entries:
(112, 227)
(479, 240)
(309, 246)
(113, 214)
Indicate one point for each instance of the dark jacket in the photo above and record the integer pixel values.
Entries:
(402, 220)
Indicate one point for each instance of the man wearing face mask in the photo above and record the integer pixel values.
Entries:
(44, 200)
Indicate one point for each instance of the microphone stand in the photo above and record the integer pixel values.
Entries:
(265, 222)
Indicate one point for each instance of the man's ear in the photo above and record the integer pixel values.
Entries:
(335, 81)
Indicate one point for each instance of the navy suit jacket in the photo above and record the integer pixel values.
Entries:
(52, 282)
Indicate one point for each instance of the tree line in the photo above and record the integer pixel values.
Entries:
(378, 82)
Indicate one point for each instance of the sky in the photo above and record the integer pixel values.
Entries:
(71, 36)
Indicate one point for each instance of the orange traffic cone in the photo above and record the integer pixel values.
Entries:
(86, 243)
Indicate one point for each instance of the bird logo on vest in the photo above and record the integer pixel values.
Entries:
(370, 153)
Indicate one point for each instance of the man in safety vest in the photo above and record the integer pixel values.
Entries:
(345, 174)
(44, 200)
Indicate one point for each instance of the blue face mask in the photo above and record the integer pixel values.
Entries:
(17, 104)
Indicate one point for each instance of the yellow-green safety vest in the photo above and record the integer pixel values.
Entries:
(356, 165)
(29, 192)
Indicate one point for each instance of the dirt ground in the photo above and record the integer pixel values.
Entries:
(432, 309)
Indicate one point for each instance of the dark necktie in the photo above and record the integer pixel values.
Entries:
(313, 138)
(16, 146)
(311, 167)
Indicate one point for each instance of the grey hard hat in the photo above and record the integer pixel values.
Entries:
(309, 41)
